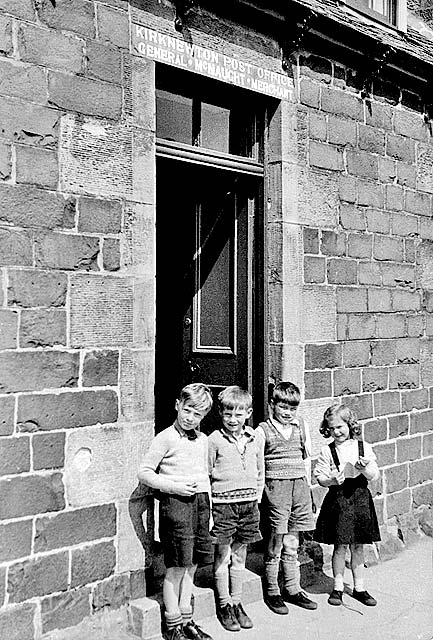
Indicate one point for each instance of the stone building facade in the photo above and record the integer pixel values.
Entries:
(339, 298)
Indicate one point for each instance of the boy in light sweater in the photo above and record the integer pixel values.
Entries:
(176, 465)
(236, 474)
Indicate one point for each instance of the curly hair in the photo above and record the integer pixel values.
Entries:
(345, 413)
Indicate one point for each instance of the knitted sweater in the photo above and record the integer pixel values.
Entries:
(173, 457)
(235, 468)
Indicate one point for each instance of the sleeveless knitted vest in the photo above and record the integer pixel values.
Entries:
(284, 459)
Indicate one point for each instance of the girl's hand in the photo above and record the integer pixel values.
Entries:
(361, 463)
(338, 477)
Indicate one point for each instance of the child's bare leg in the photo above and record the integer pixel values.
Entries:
(171, 596)
(290, 564)
(357, 566)
(272, 563)
(338, 565)
(236, 570)
(221, 573)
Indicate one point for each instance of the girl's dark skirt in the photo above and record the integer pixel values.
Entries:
(347, 515)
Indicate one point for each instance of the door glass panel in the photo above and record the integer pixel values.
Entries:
(215, 127)
(173, 117)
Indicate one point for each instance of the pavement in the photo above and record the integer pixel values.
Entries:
(403, 587)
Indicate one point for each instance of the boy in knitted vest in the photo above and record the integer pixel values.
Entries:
(176, 465)
(287, 509)
(236, 474)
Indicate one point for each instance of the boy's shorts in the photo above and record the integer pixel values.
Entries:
(184, 530)
(236, 522)
(287, 505)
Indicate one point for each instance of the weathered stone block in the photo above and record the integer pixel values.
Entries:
(371, 139)
(387, 170)
(426, 359)
(427, 445)
(103, 62)
(111, 254)
(406, 301)
(309, 93)
(347, 382)
(323, 356)
(36, 288)
(356, 353)
(14, 455)
(423, 495)
(418, 203)
(405, 376)
(416, 399)
(8, 329)
(325, 156)
(386, 402)
(49, 48)
(317, 125)
(65, 610)
(400, 148)
(333, 243)
(28, 123)
(394, 199)
(369, 273)
(341, 103)
(111, 593)
(311, 240)
(388, 248)
(378, 221)
(5, 162)
(396, 478)
(421, 421)
(379, 116)
(18, 623)
(352, 217)
(347, 188)
(397, 275)
(7, 413)
(406, 175)
(374, 379)
(70, 252)
(351, 300)
(28, 495)
(412, 125)
(398, 426)
(314, 269)
(310, 197)
(99, 216)
(21, 81)
(375, 430)
(15, 540)
(48, 450)
(75, 527)
(420, 471)
(92, 563)
(317, 384)
(398, 503)
(362, 164)
(42, 327)
(15, 248)
(424, 168)
(359, 245)
(101, 311)
(390, 326)
(67, 410)
(323, 301)
(101, 368)
(342, 271)
(68, 15)
(361, 326)
(86, 96)
(113, 27)
(31, 207)
(405, 225)
(37, 166)
(33, 371)
(379, 300)
(38, 577)
(385, 454)
(408, 449)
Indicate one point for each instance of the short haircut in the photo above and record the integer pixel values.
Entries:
(285, 392)
(345, 413)
(198, 395)
(233, 397)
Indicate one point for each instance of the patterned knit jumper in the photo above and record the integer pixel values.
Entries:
(284, 459)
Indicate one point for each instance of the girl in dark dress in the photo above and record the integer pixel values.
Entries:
(347, 516)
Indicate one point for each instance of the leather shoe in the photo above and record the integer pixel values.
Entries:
(300, 599)
(242, 617)
(276, 604)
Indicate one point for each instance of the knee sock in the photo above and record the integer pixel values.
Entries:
(291, 573)
(186, 615)
(173, 619)
(236, 581)
(221, 579)
(338, 583)
(272, 567)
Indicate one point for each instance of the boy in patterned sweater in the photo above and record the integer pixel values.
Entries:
(287, 508)
(236, 475)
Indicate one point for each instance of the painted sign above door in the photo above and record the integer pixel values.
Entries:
(185, 55)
